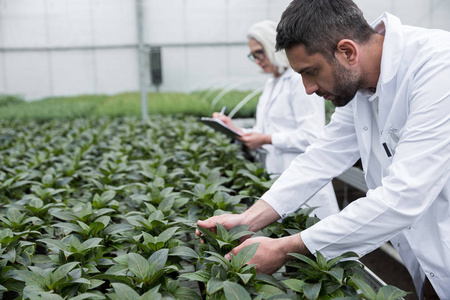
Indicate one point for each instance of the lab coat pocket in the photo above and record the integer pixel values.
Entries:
(389, 141)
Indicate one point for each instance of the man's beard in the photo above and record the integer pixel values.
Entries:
(347, 84)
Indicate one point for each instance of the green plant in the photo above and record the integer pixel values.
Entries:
(292, 224)
(321, 278)
(70, 249)
(387, 292)
(252, 180)
(46, 282)
(234, 278)
(224, 241)
(17, 221)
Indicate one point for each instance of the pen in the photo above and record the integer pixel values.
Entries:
(222, 111)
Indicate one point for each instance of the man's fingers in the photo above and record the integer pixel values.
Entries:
(207, 224)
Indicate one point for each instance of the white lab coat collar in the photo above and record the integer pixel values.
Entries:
(390, 27)
(392, 46)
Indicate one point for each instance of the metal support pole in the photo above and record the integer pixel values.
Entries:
(142, 57)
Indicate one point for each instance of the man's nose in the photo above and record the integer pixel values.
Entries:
(310, 85)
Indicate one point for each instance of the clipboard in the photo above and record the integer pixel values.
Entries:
(220, 126)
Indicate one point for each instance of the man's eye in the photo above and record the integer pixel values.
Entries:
(311, 72)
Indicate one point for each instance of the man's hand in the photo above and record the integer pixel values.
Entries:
(257, 217)
(273, 253)
(228, 221)
(254, 140)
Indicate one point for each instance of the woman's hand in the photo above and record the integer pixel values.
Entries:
(254, 140)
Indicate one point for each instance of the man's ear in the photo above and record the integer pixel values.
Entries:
(347, 51)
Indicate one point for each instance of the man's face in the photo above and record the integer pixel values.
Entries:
(332, 81)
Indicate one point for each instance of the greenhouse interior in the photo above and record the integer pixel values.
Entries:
(226, 149)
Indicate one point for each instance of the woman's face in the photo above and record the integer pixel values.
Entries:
(259, 54)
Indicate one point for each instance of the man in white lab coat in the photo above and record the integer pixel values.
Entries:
(391, 83)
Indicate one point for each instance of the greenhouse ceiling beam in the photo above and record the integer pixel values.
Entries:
(112, 47)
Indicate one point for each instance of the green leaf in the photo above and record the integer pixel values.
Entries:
(218, 271)
(166, 204)
(167, 234)
(81, 280)
(87, 296)
(234, 291)
(247, 253)
(222, 243)
(239, 231)
(222, 233)
(295, 284)
(152, 294)
(158, 259)
(208, 235)
(108, 195)
(389, 292)
(125, 292)
(195, 277)
(215, 257)
(269, 279)
(337, 273)
(95, 228)
(138, 265)
(32, 278)
(331, 287)
(47, 179)
(10, 255)
(185, 293)
(270, 290)
(312, 291)
(114, 278)
(84, 226)
(62, 271)
(116, 228)
(214, 285)
(333, 261)
(305, 259)
(69, 227)
(245, 277)
(321, 261)
(5, 234)
(183, 251)
(349, 264)
(366, 290)
(91, 243)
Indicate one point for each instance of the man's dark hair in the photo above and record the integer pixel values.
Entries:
(320, 24)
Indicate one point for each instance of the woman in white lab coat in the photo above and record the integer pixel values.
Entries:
(287, 119)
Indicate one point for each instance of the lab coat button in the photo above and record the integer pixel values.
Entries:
(365, 128)
(432, 274)
(408, 228)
